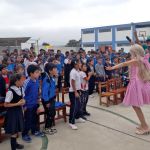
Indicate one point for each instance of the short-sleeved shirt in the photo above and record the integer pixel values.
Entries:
(9, 94)
(75, 75)
(84, 83)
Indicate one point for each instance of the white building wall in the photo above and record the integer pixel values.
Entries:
(88, 48)
(121, 35)
(88, 37)
(105, 36)
(62, 48)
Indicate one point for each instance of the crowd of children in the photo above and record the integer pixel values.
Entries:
(26, 76)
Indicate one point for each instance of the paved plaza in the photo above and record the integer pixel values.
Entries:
(108, 128)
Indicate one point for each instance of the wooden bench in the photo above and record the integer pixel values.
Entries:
(116, 87)
(65, 90)
(110, 97)
(60, 108)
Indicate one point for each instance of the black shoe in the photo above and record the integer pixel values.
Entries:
(84, 118)
(19, 146)
(87, 114)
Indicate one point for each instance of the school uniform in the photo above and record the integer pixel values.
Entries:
(14, 117)
(91, 80)
(84, 92)
(108, 72)
(59, 69)
(31, 90)
(75, 111)
(48, 97)
(100, 72)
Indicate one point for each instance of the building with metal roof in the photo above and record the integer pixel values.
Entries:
(114, 35)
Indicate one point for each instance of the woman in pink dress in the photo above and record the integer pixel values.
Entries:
(138, 90)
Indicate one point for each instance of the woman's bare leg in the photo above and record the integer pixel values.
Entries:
(141, 117)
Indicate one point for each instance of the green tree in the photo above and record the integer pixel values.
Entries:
(73, 43)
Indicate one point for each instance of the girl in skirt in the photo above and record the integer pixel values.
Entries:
(14, 117)
(138, 90)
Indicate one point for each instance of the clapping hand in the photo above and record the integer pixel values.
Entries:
(21, 102)
(109, 68)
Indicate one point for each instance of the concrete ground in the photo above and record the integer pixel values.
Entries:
(108, 128)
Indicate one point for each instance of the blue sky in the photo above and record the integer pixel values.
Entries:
(58, 21)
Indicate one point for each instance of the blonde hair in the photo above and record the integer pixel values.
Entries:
(137, 52)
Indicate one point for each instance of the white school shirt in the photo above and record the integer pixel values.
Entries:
(75, 75)
(84, 83)
(9, 94)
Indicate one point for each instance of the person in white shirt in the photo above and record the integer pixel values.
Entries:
(74, 96)
(14, 120)
(84, 88)
(27, 63)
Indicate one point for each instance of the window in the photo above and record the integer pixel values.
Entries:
(105, 30)
(123, 44)
(105, 44)
(123, 28)
(88, 45)
(88, 31)
(142, 26)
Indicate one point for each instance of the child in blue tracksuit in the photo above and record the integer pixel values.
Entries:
(49, 96)
(31, 90)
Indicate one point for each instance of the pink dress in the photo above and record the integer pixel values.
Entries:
(138, 92)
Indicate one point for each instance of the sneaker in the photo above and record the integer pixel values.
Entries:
(48, 131)
(38, 134)
(91, 96)
(73, 126)
(54, 130)
(27, 138)
(80, 120)
(19, 146)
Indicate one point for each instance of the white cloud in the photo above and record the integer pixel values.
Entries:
(59, 21)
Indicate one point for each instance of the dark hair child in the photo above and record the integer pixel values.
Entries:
(84, 88)
(14, 116)
(49, 96)
(31, 89)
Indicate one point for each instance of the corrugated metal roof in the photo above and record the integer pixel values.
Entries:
(13, 41)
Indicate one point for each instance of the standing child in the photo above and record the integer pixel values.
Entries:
(14, 116)
(4, 80)
(20, 69)
(90, 68)
(31, 90)
(84, 89)
(59, 69)
(138, 90)
(74, 96)
(108, 72)
(49, 96)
